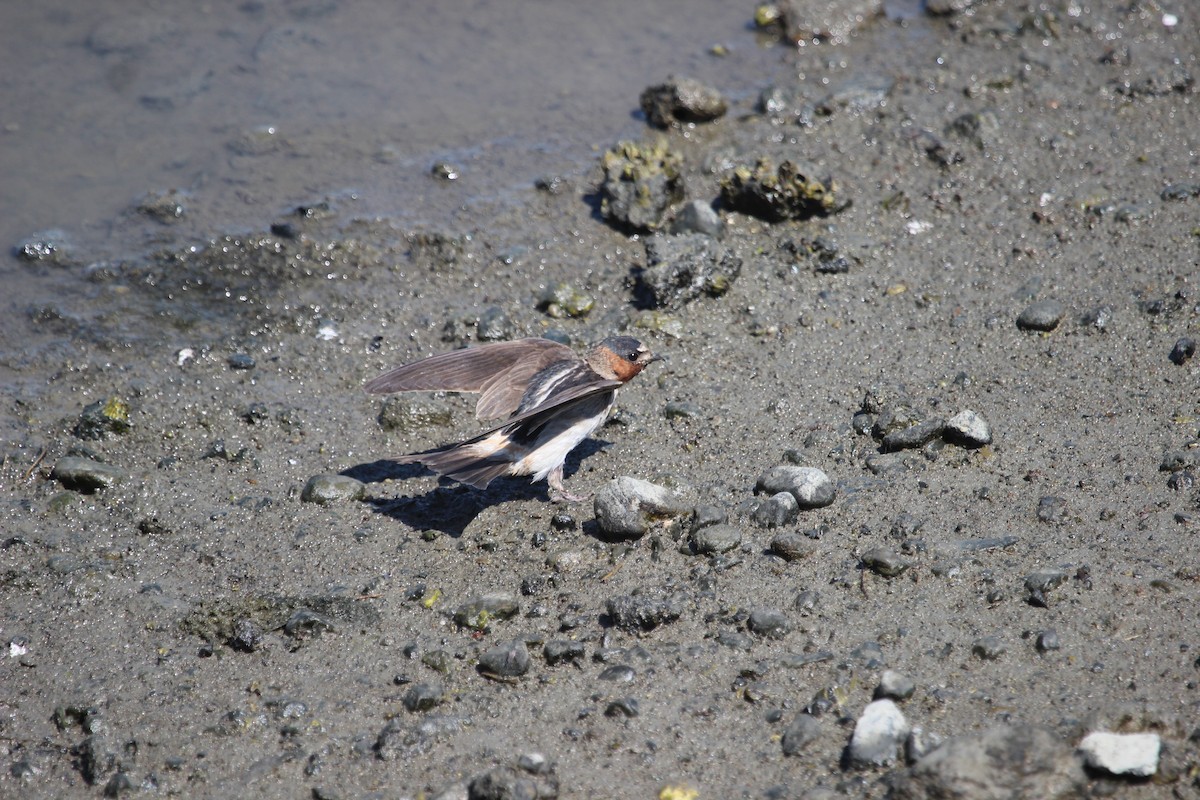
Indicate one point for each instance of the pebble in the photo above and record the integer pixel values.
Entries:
(810, 486)
(806, 601)
(103, 419)
(705, 515)
(715, 539)
(769, 622)
(968, 428)
(327, 489)
(894, 686)
(914, 436)
(776, 193)
(641, 181)
(638, 612)
(47, 247)
(1037, 584)
(405, 414)
(1097, 319)
(792, 546)
(684, 268)
(400, 739)
(303, 623)
(627, 707)
(423, 696)
(560, 300)
(479, 612)
(885, 561)
(1134, 754)
(626, 507)
(247, 636)
(776, 511)
(1005, 761)
(681, 409)
(804, 730)
(1052, 509)
(1048, 640)
(506, 660)
(1044, 315)
(618, 673)
(557, 651)
(681, 100)
(86, 475)
(697, 216)
(1183, 350)
(878, 735)
(989, 648)
(507, 783)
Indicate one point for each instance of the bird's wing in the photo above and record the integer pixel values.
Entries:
(499, 372)
(533, 419)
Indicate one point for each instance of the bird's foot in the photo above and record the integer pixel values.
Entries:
(558, 492)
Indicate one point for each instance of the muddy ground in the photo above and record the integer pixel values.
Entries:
(197, 629)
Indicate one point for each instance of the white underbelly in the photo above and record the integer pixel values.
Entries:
(557, 440)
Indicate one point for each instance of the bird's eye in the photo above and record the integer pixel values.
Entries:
(633, 356)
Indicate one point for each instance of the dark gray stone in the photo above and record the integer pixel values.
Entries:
(803, 731)
(506, 660)
(715, 539)
(885, 561)
(776, 511)
(681, 100)
(914, 436)
(810, 486)
(86, 475)
(626, 507)
(792, 546)
(638, 612)
(683, 268)
(1044, 315)
(328, 489)
(770, 622)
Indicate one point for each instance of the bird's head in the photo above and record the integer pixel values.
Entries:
(619, 358)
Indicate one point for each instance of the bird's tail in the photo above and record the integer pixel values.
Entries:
(473, 463)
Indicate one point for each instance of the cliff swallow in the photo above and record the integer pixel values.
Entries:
(552, 398)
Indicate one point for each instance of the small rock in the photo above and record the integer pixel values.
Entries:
(681, 269)
(681, 409)
(1053, 510)
(914, 436)
(715, 539)
(617, 673)
(806, 601)
(327, 489)
(780, 193)
(791, 546)
(804, 730)
(47, 247)
(506, 783)
(479, 612)
(304, 623)
(681, 100)
(423, 696)
(894, 686)
(163, 207)
(769, 622)
(103, 419)
(640, 183)
(989, 648)
(85, 475)
(625, 707)
(1134, 754)
(885, 561)
(247, 636)
(1044, 315)
(638, 612)
(1037, 584)
(697, 216)
(556, 651)
(776, 511)
(560, 300)
(810, 486)
(626, 507)
(1004, 762)
(1184, 349)
(878, 735)
(1097, 319)
(1048, 640)
(969, 429)
(506, 660)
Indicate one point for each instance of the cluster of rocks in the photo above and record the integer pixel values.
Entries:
(893, 420)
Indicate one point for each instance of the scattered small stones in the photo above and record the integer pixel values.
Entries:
(697, 216)
(894, 686)
(886, 562)
(640, 183)
(328, 489)
(480, 612)
(804, 730)
(681, 100)
(810, 486)
(86, 475)
(506, 660)
(681, 269)
(968, 429)
(404, 413)
(507, 783)
(776, 511)
(711, 539)
(103, 419)
(1183, 350)
(1017, 761)
(780, 193)
(627, 507)
(769, 622)
(638, 612)
(1044, 315)
(879, 735)
(401, 739)
(1133, 754)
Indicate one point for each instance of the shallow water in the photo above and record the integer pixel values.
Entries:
(248, 108)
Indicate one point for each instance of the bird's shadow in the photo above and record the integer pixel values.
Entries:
(451, 506)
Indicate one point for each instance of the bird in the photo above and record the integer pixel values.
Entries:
(551, 399)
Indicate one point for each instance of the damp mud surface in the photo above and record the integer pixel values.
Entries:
(947, 261)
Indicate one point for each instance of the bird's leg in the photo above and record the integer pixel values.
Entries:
(558, 492)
